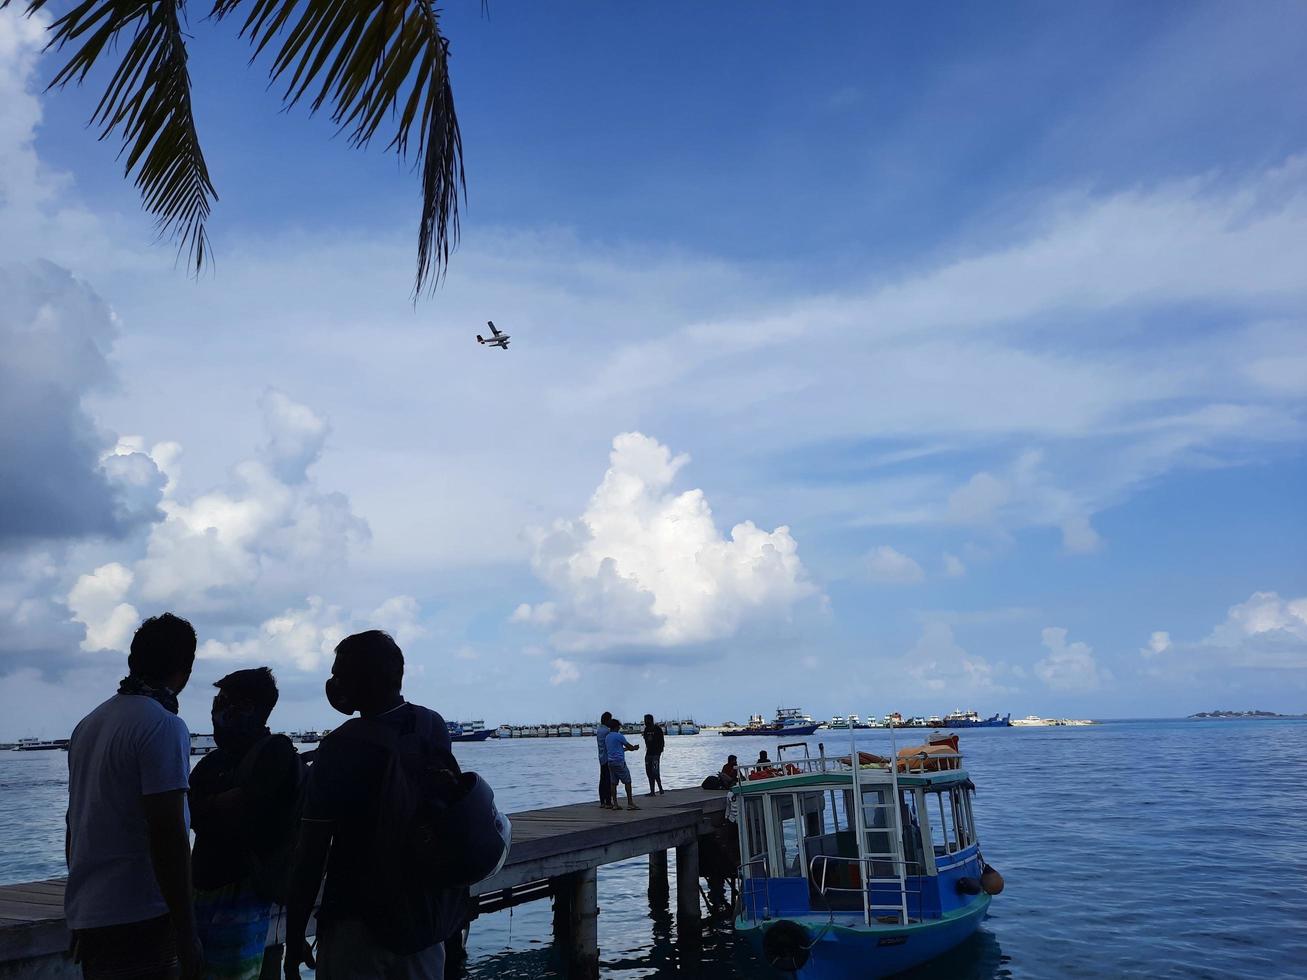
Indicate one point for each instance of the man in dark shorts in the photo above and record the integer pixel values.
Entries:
(655, 740)
(243, 798)
(379, 918)
(128, 900)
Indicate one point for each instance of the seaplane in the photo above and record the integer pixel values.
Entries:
(497, 339)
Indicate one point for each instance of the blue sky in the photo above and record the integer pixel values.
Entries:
(868, 357)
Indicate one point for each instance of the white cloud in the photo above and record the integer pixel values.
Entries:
(1069, 666)
(1159, 641)
(565, 671)
(303, 638)
(645, 565)
(400, 616)
(954, 567)
(890, 567)
(938, 663)
(541, 614)
(270, 526)
(96, 601)
(1265, 631)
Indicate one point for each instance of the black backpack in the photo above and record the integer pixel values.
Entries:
(432, 818)
(270, 862)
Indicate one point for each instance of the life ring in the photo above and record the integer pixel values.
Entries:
(785, 946)
(792, 770)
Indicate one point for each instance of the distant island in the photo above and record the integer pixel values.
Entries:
(1242, 714)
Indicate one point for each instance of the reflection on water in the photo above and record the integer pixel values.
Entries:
(1129, 849)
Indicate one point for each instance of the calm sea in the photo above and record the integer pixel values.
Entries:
(1157, 849)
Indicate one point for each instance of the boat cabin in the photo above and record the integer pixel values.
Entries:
(870, 840)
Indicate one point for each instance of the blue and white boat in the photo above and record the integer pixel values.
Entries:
(859, 869)
(468, 731)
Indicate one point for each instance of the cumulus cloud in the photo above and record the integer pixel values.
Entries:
(303, 638)
(1265, 631)
(889, 567)
(1069, 666)
(1024, 494)
(270, 525)
(646, 565)
(96, 601)
(58, 475)
(565, 671)
(954, 567)
(1159, 641)
(937, 662)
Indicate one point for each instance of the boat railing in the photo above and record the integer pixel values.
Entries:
(906, 890)
(909, 764)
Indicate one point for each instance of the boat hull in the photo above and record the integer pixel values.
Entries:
(845, 952)
(774, 730)
(480, 736)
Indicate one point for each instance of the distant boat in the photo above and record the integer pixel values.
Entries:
(40, 745)
(202, 744)
(788, 721)
(468, 731)
(970, 719)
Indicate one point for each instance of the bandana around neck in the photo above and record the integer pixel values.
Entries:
(132, 684)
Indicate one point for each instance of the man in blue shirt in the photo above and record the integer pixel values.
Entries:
(617, 747)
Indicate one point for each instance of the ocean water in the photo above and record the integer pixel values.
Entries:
(1144, 849)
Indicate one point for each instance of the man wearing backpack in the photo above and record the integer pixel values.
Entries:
(243, 810)
(383, 914)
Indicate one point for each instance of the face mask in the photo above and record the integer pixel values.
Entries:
(337, 698)
(236, 725)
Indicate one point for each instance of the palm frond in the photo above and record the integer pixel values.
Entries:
(374, 60)
(147, 100)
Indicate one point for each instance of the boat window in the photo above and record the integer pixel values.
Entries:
(755, 837)
(962, 817)
(912, 850)
(946, 833)
(789, 863)
(828, 831)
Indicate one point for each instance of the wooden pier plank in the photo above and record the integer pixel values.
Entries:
(547, 842)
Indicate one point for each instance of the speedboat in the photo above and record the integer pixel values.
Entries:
(859, 866)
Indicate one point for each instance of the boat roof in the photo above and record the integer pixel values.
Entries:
(869, 776)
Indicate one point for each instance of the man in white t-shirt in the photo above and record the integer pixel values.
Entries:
(128, 900)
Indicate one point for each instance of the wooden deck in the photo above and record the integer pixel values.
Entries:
(548, 844)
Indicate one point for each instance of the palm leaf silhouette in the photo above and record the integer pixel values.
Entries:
(368, 61)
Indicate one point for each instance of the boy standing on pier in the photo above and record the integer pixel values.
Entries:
(618, 746)
(128, 900)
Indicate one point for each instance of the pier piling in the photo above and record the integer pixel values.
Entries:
(576, 923)
(659, 890)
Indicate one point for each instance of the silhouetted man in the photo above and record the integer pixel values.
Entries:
(655, 740)
(379, 917)
(605, 780)
(128, 900)
(243, 798)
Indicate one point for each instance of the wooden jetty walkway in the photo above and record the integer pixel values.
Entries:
(556, 854)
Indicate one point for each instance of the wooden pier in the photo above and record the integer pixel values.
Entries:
(556, 854)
